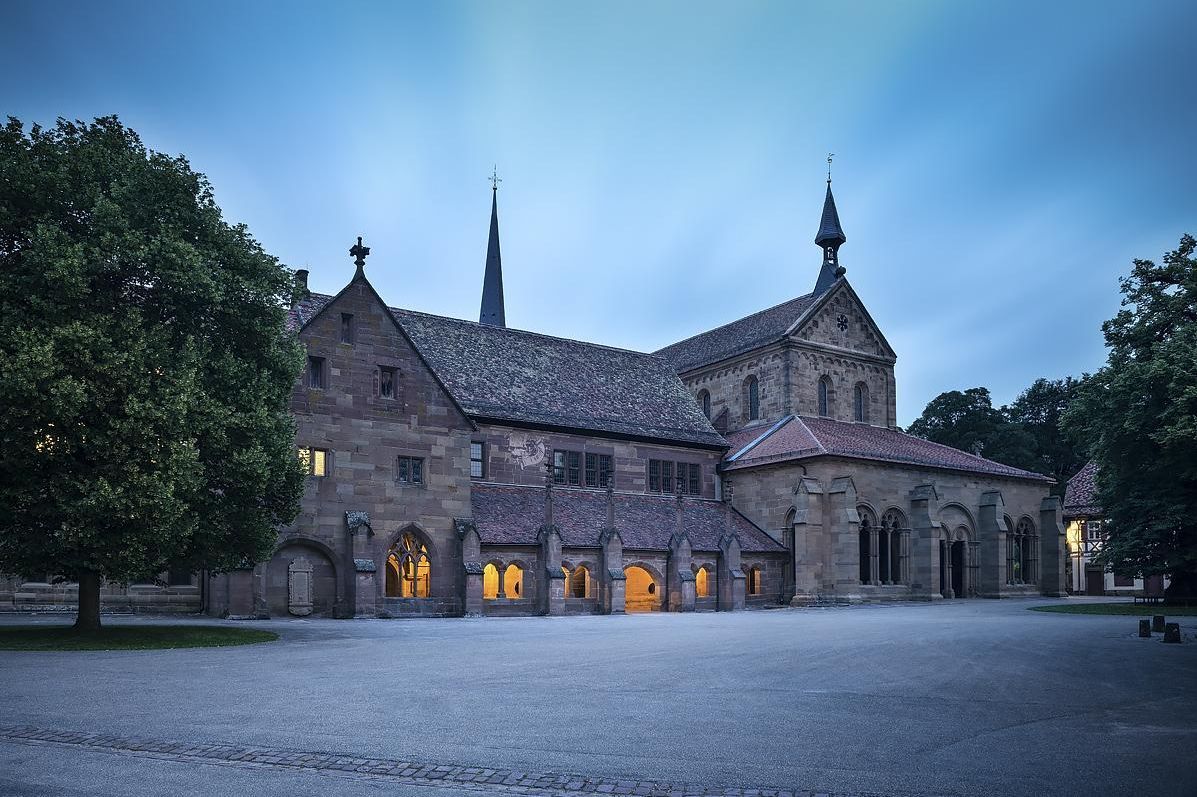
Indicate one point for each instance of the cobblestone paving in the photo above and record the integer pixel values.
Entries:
(501, 781)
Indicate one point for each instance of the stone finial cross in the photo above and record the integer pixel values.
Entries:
(359, 252)
(494, 178)
(830, 155)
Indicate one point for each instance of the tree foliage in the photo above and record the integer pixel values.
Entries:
(146, 370)
(1038, 411)
(968, 421)
(1139, 415)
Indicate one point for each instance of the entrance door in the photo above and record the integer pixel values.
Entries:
(1095, 581)
(958, 568)
(642, 593)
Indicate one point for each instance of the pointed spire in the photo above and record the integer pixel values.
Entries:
(492, 282)
(830, 238)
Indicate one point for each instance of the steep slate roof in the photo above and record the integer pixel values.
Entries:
(800, 437)
(737, 337)
(510, 375)
(512, 515)
(1080, 497)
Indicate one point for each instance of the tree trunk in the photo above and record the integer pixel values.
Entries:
(1182, 588)
(88, 619)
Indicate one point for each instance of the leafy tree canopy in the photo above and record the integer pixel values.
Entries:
(1139, 416)
(147, 372)
(968, 421)
(1038, 411)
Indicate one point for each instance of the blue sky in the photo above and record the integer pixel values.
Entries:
(997, 165)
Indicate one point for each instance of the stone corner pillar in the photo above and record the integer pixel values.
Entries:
(991, 534)
(805, 561)
(842, 523)
(553, 600)
(612, 586)
(471, 559)
(680, 576)
(1053, 549)
(925, 534)
(360, 597)
(730, 578)
(365, 603)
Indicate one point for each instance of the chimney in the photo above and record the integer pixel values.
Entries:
(301, 286)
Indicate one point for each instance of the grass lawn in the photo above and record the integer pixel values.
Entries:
(129, 637)
(1128, 609)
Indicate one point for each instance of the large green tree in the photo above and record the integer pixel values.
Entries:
(146, 371)
(967, 420)
(1038, 411)
(1138, 415)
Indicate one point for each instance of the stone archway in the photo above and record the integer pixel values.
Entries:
(642, 590)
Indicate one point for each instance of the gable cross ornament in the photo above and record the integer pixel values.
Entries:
(358, 253)
(494, 178)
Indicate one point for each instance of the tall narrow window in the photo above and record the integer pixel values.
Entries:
(654, 475)
(752, 399)
(477, 460)
(704, 401)
(316, 379)
(387, 377)
(347, 327)
(694, 480)
(824, 397)
(573, 468)
(559, 467)
(667, 485)
(409, 470)
(860, 402)
(606, 470)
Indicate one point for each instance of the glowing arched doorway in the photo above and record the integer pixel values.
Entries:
(642, 592)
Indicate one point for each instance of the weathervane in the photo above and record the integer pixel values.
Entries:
(494, 178)
(359, 252)
(830, 155)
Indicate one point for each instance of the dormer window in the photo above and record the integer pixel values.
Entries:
(347, 327)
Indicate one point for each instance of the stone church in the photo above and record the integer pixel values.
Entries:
(472, 468)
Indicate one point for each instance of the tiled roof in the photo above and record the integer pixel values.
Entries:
(800, 437)
(512, 515)
(1080, 497)
(737, 337)
(524, 377)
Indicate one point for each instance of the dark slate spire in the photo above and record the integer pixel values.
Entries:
(830, 238)
(492, 282)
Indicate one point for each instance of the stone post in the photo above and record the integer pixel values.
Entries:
(874, 556)
(1158, 622)
(1172, 633)
(843, 528)
(361, 585)
(471, 557)
(367, 592)
(925, 537)
(611, 580)
(1053, 548)
(730, 579)
(991, 534)
(680, 576)
(808, 530)
(1144, 628)
(553, 602)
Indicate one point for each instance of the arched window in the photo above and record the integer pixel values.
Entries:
(413, 571)
(824, 396)
(490, 582)
(866, 538)
(1022, 553)
(704, 401)
(577, 583)
(860, 402)
(752, 399)
(753, 587)
(894, 523)
(702, 583)
(513, 582)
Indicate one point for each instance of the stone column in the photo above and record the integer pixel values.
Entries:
(925, 536)
(553, 601)
(808, 532)
(361, 591)
(366, 573)
(1053, 548)
(992, 534)
(730, 577)
(843, 529)
(946, 552)
(679, 574)
(904, 555)
(611, 580)
(874, 556)
(471, 557)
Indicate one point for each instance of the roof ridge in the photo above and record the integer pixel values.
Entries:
(761, 438)
(598, 491)
(734, 321)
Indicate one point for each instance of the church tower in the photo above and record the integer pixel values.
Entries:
(492, 282)
(830, 238)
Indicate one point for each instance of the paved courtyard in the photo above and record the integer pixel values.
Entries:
(966, 697)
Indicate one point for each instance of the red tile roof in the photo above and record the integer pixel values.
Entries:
(799, 437)
(1080, 497)
(512, 515)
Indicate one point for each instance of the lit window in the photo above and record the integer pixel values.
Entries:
(577, 583)
(316, 373)
(314, 461)
(754, 581)
(409, 470)
(347, 327)
(409, 573)
(490, 582)
(702, 583)
(477, 460)
(387, 377)
(513, 582)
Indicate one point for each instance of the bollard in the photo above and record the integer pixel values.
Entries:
(1172, 632)
(1144, 627)
(1157, 623)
